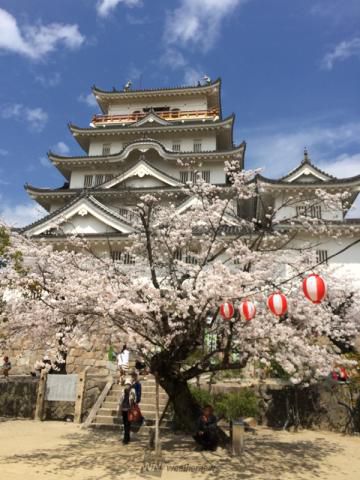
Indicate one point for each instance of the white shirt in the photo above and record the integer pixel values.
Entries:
(123, 358)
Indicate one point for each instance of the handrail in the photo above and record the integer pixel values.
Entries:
(168, 115)
(96, 407)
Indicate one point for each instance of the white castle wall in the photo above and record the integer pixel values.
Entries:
(189, 104)
(208, 142)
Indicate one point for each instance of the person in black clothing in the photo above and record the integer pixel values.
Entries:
(136, 385)
(206, 434)
(128, 399)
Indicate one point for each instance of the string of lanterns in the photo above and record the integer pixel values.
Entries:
(314, 288)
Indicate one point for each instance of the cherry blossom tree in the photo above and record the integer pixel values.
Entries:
(187, 262)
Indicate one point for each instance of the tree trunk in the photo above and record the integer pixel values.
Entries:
(187, 411)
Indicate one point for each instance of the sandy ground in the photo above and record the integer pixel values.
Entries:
(59, 451)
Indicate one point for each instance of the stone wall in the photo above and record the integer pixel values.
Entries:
(18, 397)
(89, 351)
(325, 406)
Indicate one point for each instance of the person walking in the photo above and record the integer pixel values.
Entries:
(136, 385)
(123, 363)
(127, 401)
(6, 367)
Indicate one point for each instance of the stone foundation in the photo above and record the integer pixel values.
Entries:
(18, 397)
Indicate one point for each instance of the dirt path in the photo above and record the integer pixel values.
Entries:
(61, 451)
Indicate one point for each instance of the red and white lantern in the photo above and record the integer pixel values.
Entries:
(247, 310)
(314, 288)
(277, 303)
(227, 310)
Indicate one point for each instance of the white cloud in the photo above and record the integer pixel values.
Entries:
(192, 76)
(61, 148)
(36, 118)
(104, 7)
(21, 214)
(51, 80)
(341, 52)
(279, 150)
(343, 166)
(36, 41)
(89, 99)
(198, 22)
(45, 162)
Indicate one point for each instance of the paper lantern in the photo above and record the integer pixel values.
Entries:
(227, 310)
(314, 288)
(247, 310)
(277, 303)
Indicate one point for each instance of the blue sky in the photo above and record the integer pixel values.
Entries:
(290, 71)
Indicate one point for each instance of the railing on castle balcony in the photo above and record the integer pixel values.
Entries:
(176, 115)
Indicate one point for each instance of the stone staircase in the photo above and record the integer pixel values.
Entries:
(108, 415)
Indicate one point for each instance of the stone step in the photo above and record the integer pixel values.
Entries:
(145, 396)
(108, 420)
(109, 413)
(144, 430)
(147, 406)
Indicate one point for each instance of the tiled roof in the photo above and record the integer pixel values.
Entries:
(155, 90)
(176, 154)
(83, 194)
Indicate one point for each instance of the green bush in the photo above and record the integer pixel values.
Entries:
(235, 405)
(229, 405)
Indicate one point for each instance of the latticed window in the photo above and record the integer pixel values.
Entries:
(106, 149)
(206, 175)
(99, 179)
(197, 145)
(176, 147)
(185, 256)
(186, 176)
(126, 213)
(88, 181)
(116, 255)
(108, 177)
(322, 256)
(313, 211)
(123, 257)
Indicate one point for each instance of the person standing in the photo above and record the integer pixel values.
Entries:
(127, 401)
(6, 366)
(123, 363)
(136, 385)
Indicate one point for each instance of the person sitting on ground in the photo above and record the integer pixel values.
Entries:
(6, 366)
(123, 363)
(206, 435)
(127, 401)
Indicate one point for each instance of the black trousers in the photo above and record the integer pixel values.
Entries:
(208, 440)
(126, 424)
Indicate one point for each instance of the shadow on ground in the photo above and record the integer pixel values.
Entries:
(265, 458)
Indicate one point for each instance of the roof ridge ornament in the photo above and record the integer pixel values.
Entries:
(306, 158)
(127, 86)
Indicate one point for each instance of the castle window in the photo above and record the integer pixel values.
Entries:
(88, 180)
(322, 256)
(197, 146)
(106, 149)
(108, 177)
(175, 113)
(122, 257)
(126, 213)
(99, 179)
(184, 176)
(313, 211)
(186, 257)
(206, 175)
(176, 147)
